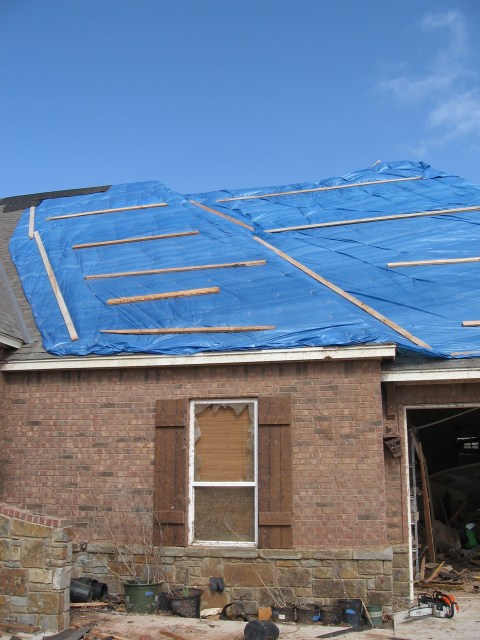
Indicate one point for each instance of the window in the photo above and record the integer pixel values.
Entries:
(223, 494)
(468, 444)
(214, 494)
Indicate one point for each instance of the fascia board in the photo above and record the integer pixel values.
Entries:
(462, 374)
(369, 352)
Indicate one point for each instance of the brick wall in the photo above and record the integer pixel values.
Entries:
(76, 441)
(35, 566)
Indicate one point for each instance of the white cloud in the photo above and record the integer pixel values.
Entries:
(408, 89)
(451, 107)
(445, 66)
(458, 116)
(455, 22)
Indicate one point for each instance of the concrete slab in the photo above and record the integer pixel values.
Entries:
(465, 625)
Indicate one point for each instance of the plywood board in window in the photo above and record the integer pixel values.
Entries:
(224, 445)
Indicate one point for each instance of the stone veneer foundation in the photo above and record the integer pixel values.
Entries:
(35, 568)
(250, 575)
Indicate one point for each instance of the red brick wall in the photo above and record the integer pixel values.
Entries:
(77, 440)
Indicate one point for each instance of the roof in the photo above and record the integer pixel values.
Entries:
(304, 265)
(13, 331)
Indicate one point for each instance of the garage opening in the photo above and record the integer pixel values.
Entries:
(444, 477)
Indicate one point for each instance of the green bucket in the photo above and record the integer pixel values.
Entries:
(142, 598)
(376, 614)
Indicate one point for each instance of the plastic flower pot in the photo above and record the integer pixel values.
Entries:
(142, 598)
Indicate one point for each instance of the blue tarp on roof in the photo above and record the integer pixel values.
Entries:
(428, 303)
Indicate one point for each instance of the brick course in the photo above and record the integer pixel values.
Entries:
(79, 440)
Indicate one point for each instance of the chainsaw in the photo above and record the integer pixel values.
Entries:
(438, 604)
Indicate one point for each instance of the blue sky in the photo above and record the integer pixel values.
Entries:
(206, 94)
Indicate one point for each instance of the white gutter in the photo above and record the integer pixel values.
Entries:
(462, 374)
(225, 358)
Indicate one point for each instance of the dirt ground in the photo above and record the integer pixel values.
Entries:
(150, 627)
(464, 625)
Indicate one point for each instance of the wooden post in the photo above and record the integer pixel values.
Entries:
(427, 504)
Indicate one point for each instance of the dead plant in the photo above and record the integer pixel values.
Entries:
(277, 590)
(337, 574)
(138, 559)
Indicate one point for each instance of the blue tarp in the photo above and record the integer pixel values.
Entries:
(430, 302)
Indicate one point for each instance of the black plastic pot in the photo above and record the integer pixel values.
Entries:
(283, 614)
(163, 602)
(261, 630)
(352, 609)
(80, 592)
(308, 614)
(330, 615)
(186, 606)
(99, 589)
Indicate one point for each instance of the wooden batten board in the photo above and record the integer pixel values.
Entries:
(223, 215)
(171, 635)
(107, 243)
(147, 332)
(31, 223)
(427, 502)
(92, 605)
(164, 296)
(116, 210)
(56, 289)
(332, 188)
(471, 323)
(422, 263)
(345, 295)
(465, 353)
(149, 272)
(396, 216)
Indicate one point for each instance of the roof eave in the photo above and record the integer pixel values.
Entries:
(432, 374)
(308, 354)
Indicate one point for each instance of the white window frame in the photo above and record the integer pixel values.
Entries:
(192, 484)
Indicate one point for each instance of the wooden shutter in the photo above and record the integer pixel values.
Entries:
(171, 472)
(275, 473)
